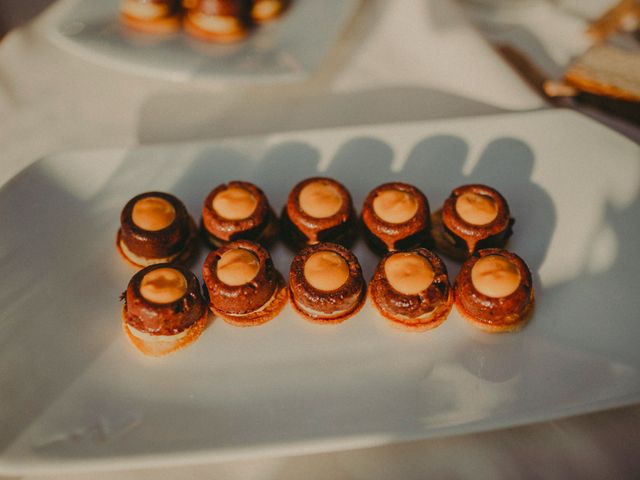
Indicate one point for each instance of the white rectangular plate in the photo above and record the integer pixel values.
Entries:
(75, 395)
(288, 49)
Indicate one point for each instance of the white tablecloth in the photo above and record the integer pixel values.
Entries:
(397, 61)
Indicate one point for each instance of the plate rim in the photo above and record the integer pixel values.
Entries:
(328, 443)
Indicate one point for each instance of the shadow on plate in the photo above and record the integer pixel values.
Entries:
(264, 110)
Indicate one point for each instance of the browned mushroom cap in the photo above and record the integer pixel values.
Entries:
(318, 210)
(326, 283)
(238, 211)
(473, 217)
(155, 228)
(164, 309)
(494, 290)
(395, 216)
(243, 284)
(411, 289)
(163, 299)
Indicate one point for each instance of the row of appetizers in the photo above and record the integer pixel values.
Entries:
(211, 20)
(165, 309)
(156, 227)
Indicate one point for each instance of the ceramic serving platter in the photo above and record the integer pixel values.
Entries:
(288, 49)
(75, 395)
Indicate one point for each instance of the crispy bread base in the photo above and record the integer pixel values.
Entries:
(330, 320)
(437, 319)
(161, 348)
(498, 327)
(268, 312)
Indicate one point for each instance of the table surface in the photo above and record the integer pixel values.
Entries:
(52, 101)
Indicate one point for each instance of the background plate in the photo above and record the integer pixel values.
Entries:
(74, 394)
(286, 50)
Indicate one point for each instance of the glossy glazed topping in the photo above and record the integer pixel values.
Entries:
(408, 273)
(234, 203)
(153, 213)
(320, 199)
(495, 276)
(476, 209)
(163, 285)
(237, 267)
(326, 271)
(395, 206)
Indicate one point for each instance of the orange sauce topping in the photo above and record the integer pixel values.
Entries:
(326, 271)
(408, 273)
(395, 206)
(153, 213)
(476, 209)
(163, 285)
(320, 199)
(495, 276)
(237, 267)
(234, 203)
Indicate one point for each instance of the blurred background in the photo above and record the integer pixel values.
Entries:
(17, 12)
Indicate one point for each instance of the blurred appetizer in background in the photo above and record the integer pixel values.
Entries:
(238, 211)
(318, 210)
(607, 74)
(222, 21)
(607, 77)
(151, 16)
(244, 287)
(472, 217)
(624, 16)
(263, 11)
(411, 289)
(396, 216)
(494, 291)
(326, 284)
(607, 71)
(164, 309)
(155, 227)
(214, 21)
